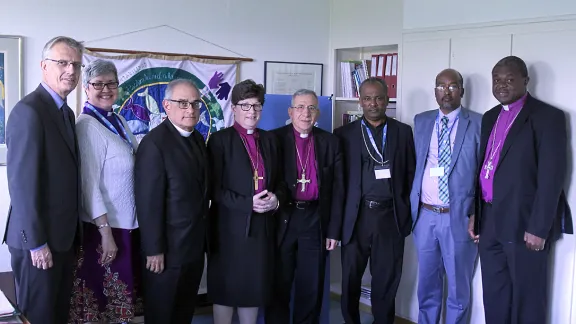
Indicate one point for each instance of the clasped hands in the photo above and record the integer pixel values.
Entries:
(264, 202)
(533, 242)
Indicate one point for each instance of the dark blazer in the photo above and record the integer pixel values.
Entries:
(330, 177)
(400, 152)
(232, 183)
(171, 193)
(530, 175)
(43, 175)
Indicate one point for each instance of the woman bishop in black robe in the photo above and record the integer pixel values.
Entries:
(247, 192)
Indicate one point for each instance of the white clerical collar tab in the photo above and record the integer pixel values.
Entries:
(303, 135)
(249, 131)
(505, 107)
(110, 113)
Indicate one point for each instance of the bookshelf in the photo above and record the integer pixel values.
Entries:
(345, 100)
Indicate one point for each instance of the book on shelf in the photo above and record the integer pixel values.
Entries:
(351, 116)
(354, 72)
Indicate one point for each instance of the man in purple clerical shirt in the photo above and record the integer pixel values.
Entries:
(521, 203)
(311, 224)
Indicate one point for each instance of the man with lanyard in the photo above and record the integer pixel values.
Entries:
(379, 164)
(447, 141)
(312, 223)
(521, 200)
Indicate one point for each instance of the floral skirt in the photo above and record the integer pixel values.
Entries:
(112, 292)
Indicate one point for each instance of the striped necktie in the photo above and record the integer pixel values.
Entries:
(444, 161)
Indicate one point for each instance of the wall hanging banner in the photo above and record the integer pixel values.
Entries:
(144, 77)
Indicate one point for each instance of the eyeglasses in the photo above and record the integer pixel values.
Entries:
(183, 104)
(312, 109)
(64, 64)
(247, 107)
(370, 99)
(101, 85)
(452, 88)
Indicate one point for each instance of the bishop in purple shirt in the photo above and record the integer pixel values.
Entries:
(310, 225)
(521, 203)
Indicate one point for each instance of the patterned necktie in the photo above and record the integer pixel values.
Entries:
(444, 161)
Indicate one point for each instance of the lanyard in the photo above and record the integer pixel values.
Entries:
(449, 132)
(111, 127)
(384, 131)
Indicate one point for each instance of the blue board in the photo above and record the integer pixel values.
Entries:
(275, 112)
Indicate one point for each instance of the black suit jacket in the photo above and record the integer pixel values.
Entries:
(43, 175)
(530, 174)
(232, 183)
(330, 179)
(400, 152)
(171, 192)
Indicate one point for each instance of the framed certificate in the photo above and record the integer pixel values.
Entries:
(285, 78)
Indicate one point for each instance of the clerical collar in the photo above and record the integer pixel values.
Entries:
(183, 133)
(516, 104)
(103, 112)
(243, 130)
(301, 135)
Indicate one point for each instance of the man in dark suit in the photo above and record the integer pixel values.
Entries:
(44, 186)
(379, 163)
(311, 223)
(172, 203)
(522, 206)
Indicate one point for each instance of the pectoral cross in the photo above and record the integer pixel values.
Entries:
(256, 178)
(488, 167)
(303, 181)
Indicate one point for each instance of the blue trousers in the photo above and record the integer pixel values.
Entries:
(439, 255)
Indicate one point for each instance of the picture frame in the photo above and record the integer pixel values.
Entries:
(285, 78)
(11, 83)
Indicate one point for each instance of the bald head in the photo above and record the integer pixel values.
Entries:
(452, 74)
(449, 90)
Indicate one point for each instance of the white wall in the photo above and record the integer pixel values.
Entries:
(548, 50)
(295, 31)
(426, 14)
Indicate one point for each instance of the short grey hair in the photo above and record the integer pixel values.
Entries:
(303, 92)
(177, 82)
(97, 68)
(62, 39)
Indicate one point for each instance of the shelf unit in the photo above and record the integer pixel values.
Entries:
(342, 104)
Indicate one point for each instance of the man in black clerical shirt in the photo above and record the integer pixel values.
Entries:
(380, 161)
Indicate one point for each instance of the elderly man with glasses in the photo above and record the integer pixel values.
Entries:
(171, 193)
(44, 184)
(311, 223)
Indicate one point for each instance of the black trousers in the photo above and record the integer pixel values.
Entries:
(375, 237)
(170, 297)
(300, 264)
(514, 278)
(43, 296)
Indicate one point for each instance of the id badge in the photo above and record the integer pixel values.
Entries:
(382, 172)
(436, 172)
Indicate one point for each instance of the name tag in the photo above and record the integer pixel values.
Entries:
(382, 172)
(437, 172)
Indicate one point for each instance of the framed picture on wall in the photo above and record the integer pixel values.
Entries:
(285, 78)
(10, 83)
